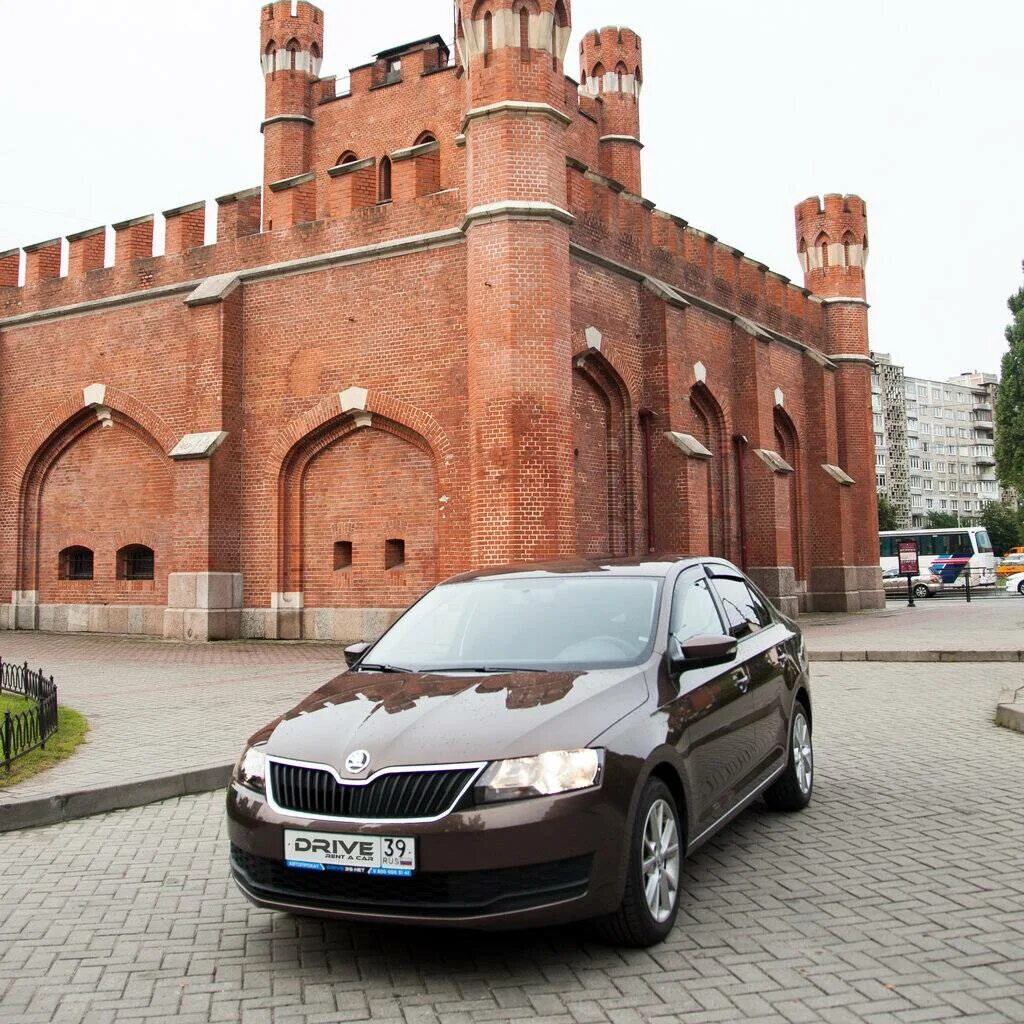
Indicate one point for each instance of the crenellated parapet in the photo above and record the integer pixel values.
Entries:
(832, 243)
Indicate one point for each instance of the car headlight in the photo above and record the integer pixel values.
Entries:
(251, 770)
(561, 771)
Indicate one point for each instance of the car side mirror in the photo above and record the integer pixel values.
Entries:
(355, 652)
(702, 652)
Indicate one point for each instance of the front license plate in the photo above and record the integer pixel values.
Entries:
(366, 855)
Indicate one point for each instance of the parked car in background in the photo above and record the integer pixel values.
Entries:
(530, 746)
(1015, 583)
(1011, 565)
(924, 586)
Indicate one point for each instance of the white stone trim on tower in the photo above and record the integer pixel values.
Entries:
(280, 60)
(505, 34)
(609, 82)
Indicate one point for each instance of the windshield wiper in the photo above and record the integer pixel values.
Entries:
(396, 669)
(484, 669)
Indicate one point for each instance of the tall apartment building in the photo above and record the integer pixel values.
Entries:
(934, 442)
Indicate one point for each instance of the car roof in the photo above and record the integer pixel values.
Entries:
(652, 565)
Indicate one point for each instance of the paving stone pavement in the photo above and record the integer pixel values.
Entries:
(158, 708)
(897, 897)
(993, 623)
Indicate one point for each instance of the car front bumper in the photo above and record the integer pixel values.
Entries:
(521, 864)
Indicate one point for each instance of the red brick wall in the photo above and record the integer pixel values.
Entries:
(112, 488)
(470, 354)
(368, 488)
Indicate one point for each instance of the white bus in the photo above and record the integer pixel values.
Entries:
(945, 553)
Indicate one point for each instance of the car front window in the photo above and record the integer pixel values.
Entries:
(548, 622)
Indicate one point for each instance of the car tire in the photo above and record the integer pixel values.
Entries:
(635, 924)
(1020, 587)
(921, 592)
(793, 789)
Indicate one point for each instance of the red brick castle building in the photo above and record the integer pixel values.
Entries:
(446, 331)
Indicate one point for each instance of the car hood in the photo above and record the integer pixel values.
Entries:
(421, 719)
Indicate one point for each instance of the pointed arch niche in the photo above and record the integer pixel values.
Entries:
(603, 455)
(364, 486)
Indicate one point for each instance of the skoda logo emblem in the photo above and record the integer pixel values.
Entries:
(358, 761)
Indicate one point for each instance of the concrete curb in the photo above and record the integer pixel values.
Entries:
(943, 657)
(68, 806)
(1010, 716)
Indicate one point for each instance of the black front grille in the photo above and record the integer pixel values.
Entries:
(429, 894)
(414, 794)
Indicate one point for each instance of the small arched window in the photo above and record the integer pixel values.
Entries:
(425, 138)
(599, 77)
(75, 563)
(315, 52)
(524, 33)
(848, 244)
(293, 54)
(348, 157)
(488, 34)
(136, 562)
(561, 21)
(270, 53)
(823, 244)
(384, 181)
(620, 76)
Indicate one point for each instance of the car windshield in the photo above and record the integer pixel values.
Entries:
(549, 623)
(984, 543)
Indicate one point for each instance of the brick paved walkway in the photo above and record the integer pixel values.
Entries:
(898, 897)
(946, 624)
(158, 708)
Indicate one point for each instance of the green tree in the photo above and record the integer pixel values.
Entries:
(1003, 526)
(942, 521)
(886, 514)
(1010, 402)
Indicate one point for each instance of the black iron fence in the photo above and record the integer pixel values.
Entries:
(24, 731)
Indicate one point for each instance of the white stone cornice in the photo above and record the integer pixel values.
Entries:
(517, 210)
(849, 300)
(516, 107)
(688, 445)
(839, 475)
(631, 139)
(852, 357)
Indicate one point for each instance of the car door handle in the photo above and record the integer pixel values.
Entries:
(741, 677)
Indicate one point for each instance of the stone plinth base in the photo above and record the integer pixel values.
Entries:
(336, 624)
(780, 584)
(123, 619)
(203, 606)
(845, 589)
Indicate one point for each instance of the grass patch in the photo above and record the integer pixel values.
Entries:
(71, 730)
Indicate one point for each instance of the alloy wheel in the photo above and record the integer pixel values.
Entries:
(803, 755)
(661, 861)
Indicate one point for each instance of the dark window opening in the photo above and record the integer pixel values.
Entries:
(342, 555)
(135, 562)
(524, 34)
(384, 185)
(394, 71)
(347, 158)
(76, 563)
(394, 554)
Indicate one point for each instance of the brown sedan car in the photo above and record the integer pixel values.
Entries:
(530, 746)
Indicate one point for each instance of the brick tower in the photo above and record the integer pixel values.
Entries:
(832, 241)
(611, 67)
(518, 281)
(291, 48)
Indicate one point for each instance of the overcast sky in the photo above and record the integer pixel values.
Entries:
(117, 108)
